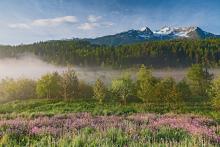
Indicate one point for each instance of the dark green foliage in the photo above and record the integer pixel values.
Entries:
(199, 80)
(215, 93)
(184, 90)
(85, 90)
(176, 53)
(166, 92)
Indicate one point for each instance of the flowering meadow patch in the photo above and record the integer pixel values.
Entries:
(67, 125)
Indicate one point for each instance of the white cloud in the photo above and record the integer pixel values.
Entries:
(19, 26)
(88, 26)
(108, 24)
(93, 18)
(94, 22)
(54, 21)
(45, 22)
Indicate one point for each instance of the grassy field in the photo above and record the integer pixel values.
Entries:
(39, 122)
(35, 107)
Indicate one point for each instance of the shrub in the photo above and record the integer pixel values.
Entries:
(17, 89)
(69, 84)
(215, 93)
(99, 91)
(49, 86)
(166, 91)
(123, 87)
(199, 80)
(145, 84)
(85, 90)
(184, 90)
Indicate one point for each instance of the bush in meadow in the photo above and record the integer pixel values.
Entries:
(123, 87)
(85, 90)
(48, 86)
(8, 89)
(166, 91)
(184, 90)
(199, 80)
(22, 88)
(99, 90)
(145, 84)
(69, 84)
(215, 93)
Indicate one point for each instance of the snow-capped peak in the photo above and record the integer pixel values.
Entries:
(184, 31)
(165, 33)
(176, 31)
(192, 28)
(143, 28)
(164, 30)
(146, 29)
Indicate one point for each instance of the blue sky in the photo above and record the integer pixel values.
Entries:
(27, 21)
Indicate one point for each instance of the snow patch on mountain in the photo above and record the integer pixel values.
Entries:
(164, 31)
(146, 34)
(175, 31)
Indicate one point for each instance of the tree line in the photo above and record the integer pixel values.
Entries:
(173, 53)
(197, 86)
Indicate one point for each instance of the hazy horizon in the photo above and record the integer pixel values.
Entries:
(32, 67)
(28, 21)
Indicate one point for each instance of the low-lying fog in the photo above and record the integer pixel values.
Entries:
(32, 67)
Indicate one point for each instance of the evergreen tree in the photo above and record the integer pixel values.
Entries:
(184, 90)
(215, 93)
(166, 92)
(145, 84)
(99, 90)
(69, 84)
(199, 80)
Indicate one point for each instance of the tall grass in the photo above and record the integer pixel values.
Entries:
(111, 138)
(37, 107)
(60, 123)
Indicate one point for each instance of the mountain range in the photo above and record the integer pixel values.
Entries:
(146, 34)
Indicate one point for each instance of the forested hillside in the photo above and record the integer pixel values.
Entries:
(175, 53)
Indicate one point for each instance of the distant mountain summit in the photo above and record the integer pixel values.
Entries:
(127, 37)
(147, 30)
(184, 32)
(146, 34)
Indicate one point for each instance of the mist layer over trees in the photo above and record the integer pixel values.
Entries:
(198, 86)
